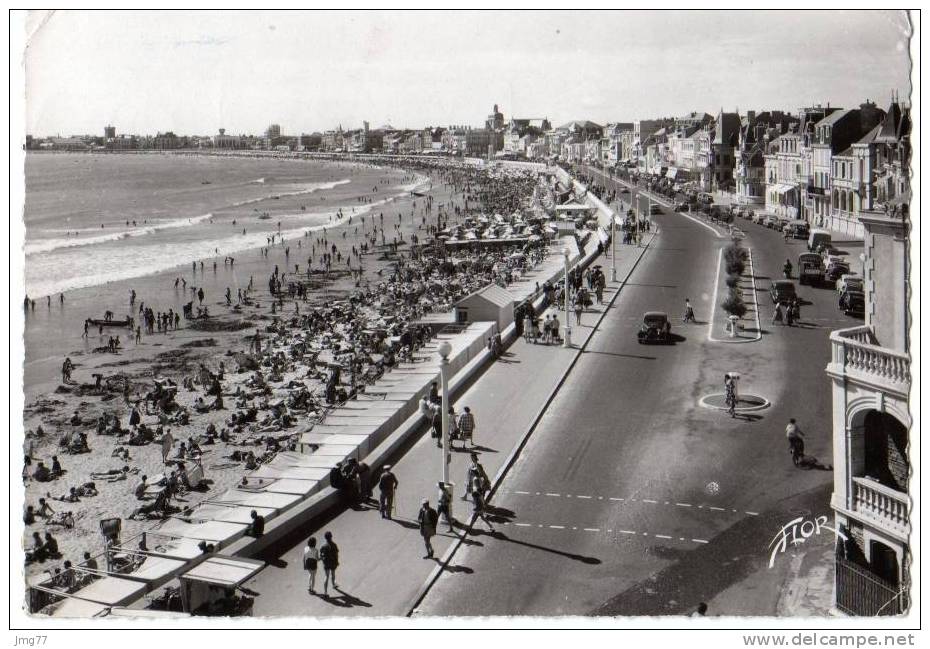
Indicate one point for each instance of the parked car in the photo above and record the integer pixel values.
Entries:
(850, 282)
(836, 270)
(770, 221)
(759, 217)
(853, 303)
(782, 291)
(655, 328)
(655, 208)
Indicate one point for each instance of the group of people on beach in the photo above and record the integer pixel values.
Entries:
(308, 357)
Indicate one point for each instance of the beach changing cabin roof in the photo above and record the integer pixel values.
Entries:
(225, 571)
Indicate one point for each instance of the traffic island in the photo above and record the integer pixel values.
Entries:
(744, 403)
(736, 317)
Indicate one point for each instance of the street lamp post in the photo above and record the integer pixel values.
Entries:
(613, 246)
(567, 342)
(444, 350)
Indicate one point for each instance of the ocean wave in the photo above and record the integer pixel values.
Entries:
(43, 276)
(315, 187)
(50, 245)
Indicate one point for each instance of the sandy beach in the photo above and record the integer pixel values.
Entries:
(174, 355)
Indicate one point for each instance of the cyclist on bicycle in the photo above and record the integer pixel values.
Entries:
(795, 438)
(730, 385)
(689, 312)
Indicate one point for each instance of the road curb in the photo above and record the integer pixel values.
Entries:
(518, 448)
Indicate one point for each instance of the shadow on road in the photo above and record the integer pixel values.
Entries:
(500, 536)
(345, 600)
(645, 358)
(697, 575)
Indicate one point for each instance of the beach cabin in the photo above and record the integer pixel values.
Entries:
(490, 304)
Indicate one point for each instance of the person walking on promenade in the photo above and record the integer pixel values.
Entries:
(387, 485)
(555, 328)
(467, 427)
(427, 519)
(579, 309)
(329, 555)
(475, 469)
(444, 506)
(777, 315)
(547, 331)
(311, 560)
(478, 500)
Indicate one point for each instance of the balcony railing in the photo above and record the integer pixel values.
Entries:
(882, 505)
(857, 354)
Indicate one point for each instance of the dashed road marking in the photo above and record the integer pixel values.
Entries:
(632, 500)
(523, 524)
(626, 531)
(557, 527)
(592, 529)
(700, 541)
(662, 536)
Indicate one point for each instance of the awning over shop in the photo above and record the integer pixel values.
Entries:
(572, 207)
(784, 188)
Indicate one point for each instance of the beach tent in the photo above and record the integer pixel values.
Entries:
(112, 591)
(212, 532)
(74, 607)
(214, 577)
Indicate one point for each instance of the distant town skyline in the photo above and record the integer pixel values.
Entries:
(197, 72)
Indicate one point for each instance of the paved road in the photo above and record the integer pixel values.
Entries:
(630, 498)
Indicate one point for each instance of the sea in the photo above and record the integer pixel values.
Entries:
(99, 225)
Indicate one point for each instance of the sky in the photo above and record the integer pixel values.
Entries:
(195, 72)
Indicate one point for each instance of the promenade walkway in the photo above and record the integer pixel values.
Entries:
(382, 570)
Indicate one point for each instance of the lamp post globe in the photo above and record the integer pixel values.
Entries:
(445, 348)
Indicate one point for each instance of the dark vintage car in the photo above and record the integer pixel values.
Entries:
(853, 303)
(782, 291)
(836, 270)
(655, 328)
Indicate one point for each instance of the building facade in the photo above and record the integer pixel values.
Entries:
(870, 374)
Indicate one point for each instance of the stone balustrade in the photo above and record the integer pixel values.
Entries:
(886, 507)
(857, 353)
